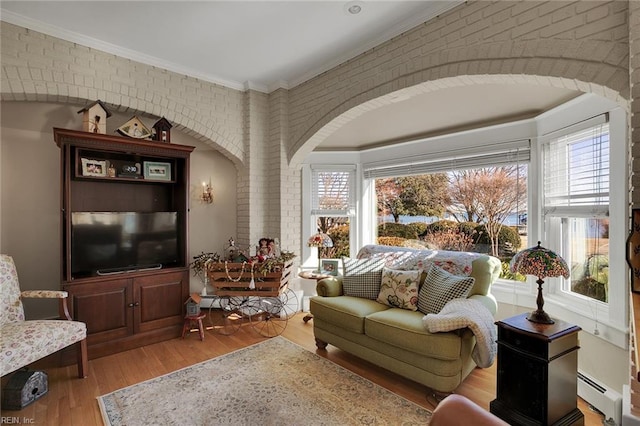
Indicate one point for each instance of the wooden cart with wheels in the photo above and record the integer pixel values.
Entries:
(253, 294)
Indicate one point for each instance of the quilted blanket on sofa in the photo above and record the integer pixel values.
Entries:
(461, 313)
(404, 258)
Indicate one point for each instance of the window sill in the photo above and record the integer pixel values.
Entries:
(509, 292)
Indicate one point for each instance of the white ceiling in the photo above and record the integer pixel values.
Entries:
(264, 45)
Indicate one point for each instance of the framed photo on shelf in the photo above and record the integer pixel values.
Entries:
(633, 250)
(157, 171)
(329, 266)
(96, 168)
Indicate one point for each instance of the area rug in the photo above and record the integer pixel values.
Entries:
(274, 382)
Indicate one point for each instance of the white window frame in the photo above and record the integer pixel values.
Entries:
(310, 217)
(610, 319)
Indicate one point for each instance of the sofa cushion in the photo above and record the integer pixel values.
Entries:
(362, 277)
(440, 287)
(399, 289)
(404, 329)
(345, 311)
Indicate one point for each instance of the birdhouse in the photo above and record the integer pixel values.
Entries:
(193, 305)
(94, 117)
(134, 128)
(162, 130)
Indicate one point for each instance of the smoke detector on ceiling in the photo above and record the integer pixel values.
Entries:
(353, 7)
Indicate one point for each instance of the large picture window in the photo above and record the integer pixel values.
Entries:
(463, 198)
(480, 209)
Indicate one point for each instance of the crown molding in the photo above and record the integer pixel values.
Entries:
(73, 37)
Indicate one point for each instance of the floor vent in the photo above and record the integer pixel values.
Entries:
(604, 399)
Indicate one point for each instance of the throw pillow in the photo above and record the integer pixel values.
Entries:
(399, 289)
(440, 287)
(362, 277)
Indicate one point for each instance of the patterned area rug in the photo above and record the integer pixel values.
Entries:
(275, 382)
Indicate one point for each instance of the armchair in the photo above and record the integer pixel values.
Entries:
(23, 342)
(457, 410)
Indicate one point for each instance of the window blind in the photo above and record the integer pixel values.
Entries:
(576, 169)
(499, 154)
(332, 191)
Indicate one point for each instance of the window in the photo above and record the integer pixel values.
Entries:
(469, 198)
(479, 209)
(576, 206)
(332, 206)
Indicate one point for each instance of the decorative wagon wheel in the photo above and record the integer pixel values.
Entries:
(273, 313)
(228, 319)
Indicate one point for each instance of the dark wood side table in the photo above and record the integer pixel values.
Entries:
(311, 275)
(537, 373)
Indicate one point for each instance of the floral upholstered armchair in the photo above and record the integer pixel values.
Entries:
(23, 342)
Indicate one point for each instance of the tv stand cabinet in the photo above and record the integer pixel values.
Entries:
(104, 173)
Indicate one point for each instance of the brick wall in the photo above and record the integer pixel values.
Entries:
(36, 67)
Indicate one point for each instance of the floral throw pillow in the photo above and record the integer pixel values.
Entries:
(440, 287)
(362, 277)
(399, 289)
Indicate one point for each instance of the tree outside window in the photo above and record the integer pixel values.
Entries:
(470, 209)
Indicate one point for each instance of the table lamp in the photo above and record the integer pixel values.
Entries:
(542, 263)
(320, 240)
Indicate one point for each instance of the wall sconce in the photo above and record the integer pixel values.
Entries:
(207, 193)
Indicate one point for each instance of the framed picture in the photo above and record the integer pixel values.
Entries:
(157, 171)
(93, 167)
(633, 250)
(329, 266)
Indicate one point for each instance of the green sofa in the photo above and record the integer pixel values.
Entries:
(394, 338)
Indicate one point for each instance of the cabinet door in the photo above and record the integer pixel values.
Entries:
(160, 300)
(522, 382)
(105, 307)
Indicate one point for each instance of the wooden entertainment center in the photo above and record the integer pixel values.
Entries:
(141, 303)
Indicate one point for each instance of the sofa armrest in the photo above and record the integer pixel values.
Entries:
(486, 271)
(487, 300)
(329, 287)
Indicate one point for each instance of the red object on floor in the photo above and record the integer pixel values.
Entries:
(189, 323)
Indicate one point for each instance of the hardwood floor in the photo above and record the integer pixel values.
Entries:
(72, 401)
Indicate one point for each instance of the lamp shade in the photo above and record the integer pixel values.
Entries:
(542, 263)
(320, 240)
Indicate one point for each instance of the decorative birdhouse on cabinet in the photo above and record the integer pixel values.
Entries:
(94, 117)
(134, 128)
(193, 305)
(162, 130)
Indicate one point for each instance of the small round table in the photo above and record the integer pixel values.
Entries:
(311, 275)
(190, 321)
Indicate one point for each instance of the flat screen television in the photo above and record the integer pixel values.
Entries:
(113, 242)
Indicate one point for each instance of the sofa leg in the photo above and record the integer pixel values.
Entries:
(320, 344)
(83, 359)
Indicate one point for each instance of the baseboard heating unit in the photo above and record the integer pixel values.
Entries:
(601, 397)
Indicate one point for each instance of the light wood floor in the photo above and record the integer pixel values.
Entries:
(72, 401)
